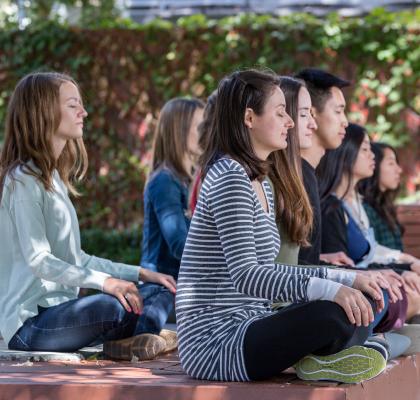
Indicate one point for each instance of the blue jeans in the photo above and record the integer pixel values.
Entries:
(92, 320)
(379, 315)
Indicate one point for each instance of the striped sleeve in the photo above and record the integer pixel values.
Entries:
(231, 201)
(315, 271)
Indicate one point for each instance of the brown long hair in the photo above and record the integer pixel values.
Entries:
(205, 127)
(171, 135)
(33, 117)
(228, 133)
(293, 208)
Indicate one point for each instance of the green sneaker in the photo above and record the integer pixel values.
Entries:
(352, 365)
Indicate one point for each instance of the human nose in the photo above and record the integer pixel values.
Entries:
(312, 123)
(345, 121)
(289, 124)
(83, 113)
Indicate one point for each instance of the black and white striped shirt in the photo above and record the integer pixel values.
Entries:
(228, 278)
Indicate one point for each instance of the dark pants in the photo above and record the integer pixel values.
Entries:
(92, 320)
(277, 342)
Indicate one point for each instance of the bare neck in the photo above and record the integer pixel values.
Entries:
(345, 191)
(188, 163)
(58, 146)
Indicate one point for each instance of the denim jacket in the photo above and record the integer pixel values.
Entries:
(166, 222)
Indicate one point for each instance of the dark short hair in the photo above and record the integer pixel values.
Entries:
(228, 133)
(319, 84)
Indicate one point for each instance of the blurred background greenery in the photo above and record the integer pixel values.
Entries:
(127, 71)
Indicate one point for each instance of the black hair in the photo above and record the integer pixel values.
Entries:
(381, 202)
(339, 162)
(319, 84)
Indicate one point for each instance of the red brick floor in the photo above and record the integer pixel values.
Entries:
(164, 379)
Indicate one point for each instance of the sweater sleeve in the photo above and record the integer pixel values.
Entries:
(311, 271)
(114, 269)
(385, 255)
(27, 214)
(166, 197)
(231, 202)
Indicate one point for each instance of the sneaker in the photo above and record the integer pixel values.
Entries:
(378, 343)
(141, 347)
(352, 365)
(170, 339)
(395, 344)
(413, 332)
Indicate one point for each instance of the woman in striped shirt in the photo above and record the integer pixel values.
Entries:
(228, 277)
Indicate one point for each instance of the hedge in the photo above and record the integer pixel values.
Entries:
(116, 245)
(127, 72)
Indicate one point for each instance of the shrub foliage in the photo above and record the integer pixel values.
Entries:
(127, 72)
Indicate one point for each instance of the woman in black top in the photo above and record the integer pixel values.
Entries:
(345, 224)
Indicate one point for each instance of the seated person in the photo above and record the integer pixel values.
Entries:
(228, 276)
(379, 192)
(345, 224)
(42, 263)
(166, 194)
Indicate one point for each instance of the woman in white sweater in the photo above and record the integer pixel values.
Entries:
(42, 265)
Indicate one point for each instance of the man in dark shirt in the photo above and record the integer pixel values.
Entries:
(311, 254)
(328, 105)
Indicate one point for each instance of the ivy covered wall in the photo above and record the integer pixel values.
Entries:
(127, 72)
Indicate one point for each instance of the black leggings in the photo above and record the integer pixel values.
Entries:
(277, 342)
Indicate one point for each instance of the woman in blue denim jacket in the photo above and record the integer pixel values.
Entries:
(166, 214)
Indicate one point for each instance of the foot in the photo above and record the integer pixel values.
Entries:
(141, 347)
(379, 343)
(170, 338)
(412, 331)
(352, 365)
(398, 344)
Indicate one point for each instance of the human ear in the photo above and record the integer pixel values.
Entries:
(249, 114)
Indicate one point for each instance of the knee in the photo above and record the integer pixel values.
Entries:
(155, 294)
(335, 319)
(115, 308)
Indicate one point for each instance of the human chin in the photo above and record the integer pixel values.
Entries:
(394, 184)
(283, 142)
(333, 142)
(77, 133)
(280, 145)
(367, 173)
(305, 142)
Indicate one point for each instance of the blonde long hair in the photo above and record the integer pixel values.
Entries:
(171, 135)
(33, 117)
